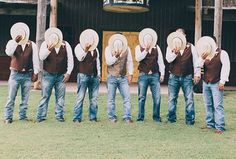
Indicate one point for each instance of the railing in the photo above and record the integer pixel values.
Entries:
(226, 3)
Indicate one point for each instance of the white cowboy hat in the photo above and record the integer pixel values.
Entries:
(53, 36)
(176, 39)
(206, 45)
(89, 36)
(148, 34)
(118, 41)
(20, 29)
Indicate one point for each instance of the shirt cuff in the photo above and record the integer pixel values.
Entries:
(222, 82)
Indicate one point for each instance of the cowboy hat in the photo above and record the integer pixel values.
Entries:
(206, 45)
(89, 36)
(176, 40)
(148, 35)
(53, 36)
(118, 41)
(21, 29)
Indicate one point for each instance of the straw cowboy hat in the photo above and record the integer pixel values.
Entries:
(89, 36)
(53, 36)
(176, 40)
(118, 42)
(206, 45)
(149, 35)
(20, 29)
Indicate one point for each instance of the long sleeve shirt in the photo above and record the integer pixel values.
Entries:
(44, 52)
(110, 60)
(11, 47)
(170, 57)
(81, 54)
(139, 56)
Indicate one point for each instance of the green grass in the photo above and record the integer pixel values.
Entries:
(53, 140)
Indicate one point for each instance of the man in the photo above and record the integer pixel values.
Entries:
(119, 59)
(216, 66)
(24, 67)
(58, 64)
(88, 74)
(151, 72)
(184, 71)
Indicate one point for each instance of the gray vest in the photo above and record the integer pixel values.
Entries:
(119, 67)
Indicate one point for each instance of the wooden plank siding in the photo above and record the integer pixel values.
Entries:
(164, 16)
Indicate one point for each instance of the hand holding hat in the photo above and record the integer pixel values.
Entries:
(176, 41)
(89, 40)
(118, 44)
(148, 38)
(20, 33)
(18, 38)
(206, 47)
(53, 37)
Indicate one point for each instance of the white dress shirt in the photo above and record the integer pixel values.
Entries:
(110, 60)
(225, 70)
(81, 54)
(139, 56)
(44, 52)
(170, 57)
(11, 47)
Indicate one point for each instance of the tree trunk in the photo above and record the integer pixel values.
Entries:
(41, 26)
(53, 13)
(218, 21)
(198, 20)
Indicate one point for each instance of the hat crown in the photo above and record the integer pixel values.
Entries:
(148, 38)
(89, 37)
(20, 29)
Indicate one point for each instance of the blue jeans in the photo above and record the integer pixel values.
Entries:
(15, 81)
(174, 84)
(50, 81)
(92, 83)
(152, 80)
(122, 84)
(213, 98)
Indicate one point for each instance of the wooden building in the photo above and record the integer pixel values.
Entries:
(164, 16)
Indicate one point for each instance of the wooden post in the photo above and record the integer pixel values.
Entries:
(40, 29)
(198, 20)
(53, 13)
(218, 21)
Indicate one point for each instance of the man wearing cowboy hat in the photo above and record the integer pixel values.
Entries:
(88, 74)
(119, 60)
(216, 66)
(151, 72)
(184, 71)
(24, 67)
(58, 64)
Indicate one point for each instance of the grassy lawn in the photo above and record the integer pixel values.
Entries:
(53, 140)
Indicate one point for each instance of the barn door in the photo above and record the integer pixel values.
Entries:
(132, 38)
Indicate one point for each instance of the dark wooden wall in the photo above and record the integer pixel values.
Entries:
(164, 16)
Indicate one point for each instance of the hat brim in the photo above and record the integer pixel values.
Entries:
(178, 35)
(56, 31)
(148, 31)
(202, 42)
(15, 32)
(116, 37)
(86, 33)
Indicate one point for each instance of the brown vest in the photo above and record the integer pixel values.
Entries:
(149, 63)
(89, 65)
(183, 65)
(119, 67)
(212, 69)
(22, 60)
(56, 63)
